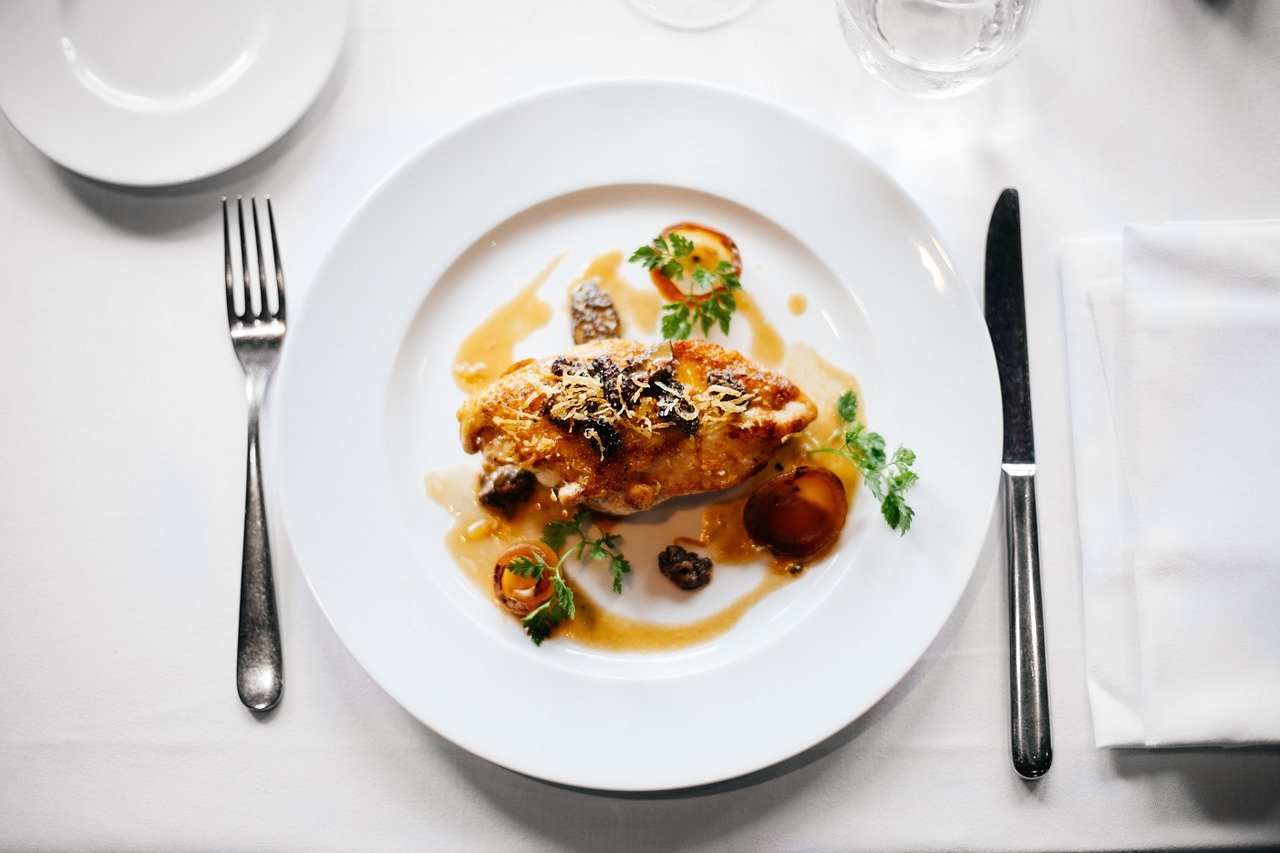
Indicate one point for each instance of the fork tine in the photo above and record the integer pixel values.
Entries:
(275, 252)
(263, 308)
(232, 315)
(245, 273)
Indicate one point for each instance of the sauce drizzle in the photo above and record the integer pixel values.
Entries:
(640, 306)
(478, 537)
(594, 626)
(487, 351)
(767, 346)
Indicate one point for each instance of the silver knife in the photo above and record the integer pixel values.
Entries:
(1007, 322)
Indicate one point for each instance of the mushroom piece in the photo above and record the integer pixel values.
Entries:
(505, 488)
(519, 594)
(710, 248)
(592, 313)
(797, 513)
(684, 568)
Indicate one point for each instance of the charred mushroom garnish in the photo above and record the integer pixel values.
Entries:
(518, 593)
(726, 379)
(596, 398)
(684, 568)
(592, 313)
(674, 405)
(585, 403)
(603, 436)
(505, 488)
(797, 513)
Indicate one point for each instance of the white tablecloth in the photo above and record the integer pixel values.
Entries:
(122, 442)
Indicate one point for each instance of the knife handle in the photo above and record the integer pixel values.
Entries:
(1028, 683)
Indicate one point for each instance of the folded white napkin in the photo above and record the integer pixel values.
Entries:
(1173, 344)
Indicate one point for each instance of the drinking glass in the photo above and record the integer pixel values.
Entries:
(693, 14)
(935, 48)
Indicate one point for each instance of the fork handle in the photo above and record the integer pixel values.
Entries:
(259, 664)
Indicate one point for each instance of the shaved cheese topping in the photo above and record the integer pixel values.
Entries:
(597, 398)
(720, 401)
(581, 398)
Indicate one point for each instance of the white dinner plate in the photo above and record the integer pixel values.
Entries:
(366, 406)
(157, 92)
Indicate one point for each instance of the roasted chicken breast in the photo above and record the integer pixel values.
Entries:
(620, 426)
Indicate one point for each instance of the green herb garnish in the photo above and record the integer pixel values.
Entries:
(710, 301)
(559, 607)
(888, 477)
(556, 609)
(664, 255)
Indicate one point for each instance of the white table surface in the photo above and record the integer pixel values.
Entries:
(121, 456)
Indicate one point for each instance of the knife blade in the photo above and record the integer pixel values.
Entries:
(1031, 741)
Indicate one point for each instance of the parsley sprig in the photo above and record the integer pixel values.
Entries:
(887, 476)
(559, 607)
(604, 547)
(665, 255)
(710, 301)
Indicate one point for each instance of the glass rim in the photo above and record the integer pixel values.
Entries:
(1002, 54)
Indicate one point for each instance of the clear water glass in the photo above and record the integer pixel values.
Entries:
(693, 14)
(935, 48)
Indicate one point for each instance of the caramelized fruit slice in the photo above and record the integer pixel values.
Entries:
(518, 594)
(797, 513)
(710, 247)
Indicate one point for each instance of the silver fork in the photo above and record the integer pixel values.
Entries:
(256, 337)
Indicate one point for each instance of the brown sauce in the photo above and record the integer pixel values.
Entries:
(767, 346)
(824, 383)
(487, 351)
(478, 537)
(594, 626)
(639, 306)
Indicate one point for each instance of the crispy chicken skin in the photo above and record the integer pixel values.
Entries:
(620, 426)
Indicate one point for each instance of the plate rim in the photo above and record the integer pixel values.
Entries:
(969, 299)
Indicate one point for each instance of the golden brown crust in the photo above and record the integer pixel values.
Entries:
(563, 431)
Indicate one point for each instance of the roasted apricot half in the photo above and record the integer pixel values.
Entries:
(515, 592)
(797, 513)
(710, 248)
